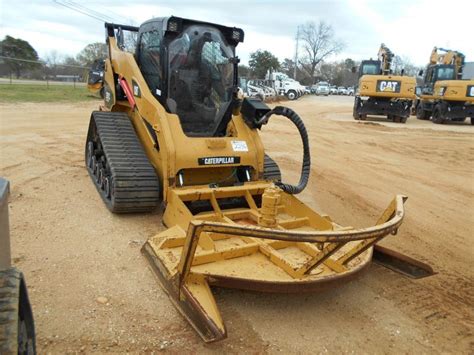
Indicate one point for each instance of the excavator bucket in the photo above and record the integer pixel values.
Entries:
(254, 237)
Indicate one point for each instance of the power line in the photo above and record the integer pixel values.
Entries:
(86, 11)
(118, 16)
(69, 6)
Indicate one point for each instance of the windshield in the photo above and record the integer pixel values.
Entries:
(445, 73)
(201, 79)
(370, 69)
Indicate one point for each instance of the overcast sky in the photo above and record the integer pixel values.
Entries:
(409, 28)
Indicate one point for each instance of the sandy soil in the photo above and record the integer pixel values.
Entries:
(73, 251)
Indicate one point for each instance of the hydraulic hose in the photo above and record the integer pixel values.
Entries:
(306, 167)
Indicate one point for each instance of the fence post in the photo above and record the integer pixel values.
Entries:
(10, 77)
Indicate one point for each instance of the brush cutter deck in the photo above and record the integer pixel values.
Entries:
(303, 251)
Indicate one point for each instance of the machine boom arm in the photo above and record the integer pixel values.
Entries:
(385, 56)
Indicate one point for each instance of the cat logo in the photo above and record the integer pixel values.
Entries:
(388, 86)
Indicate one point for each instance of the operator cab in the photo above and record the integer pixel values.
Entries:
(370, 67)
(436, 73)
(440, 72)
(191, 68)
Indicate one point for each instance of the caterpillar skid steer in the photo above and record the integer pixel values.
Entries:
(175, 129)
(386, 94)
(444, 95)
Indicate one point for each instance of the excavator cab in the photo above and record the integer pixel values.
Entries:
(436, 73)
(370, 67)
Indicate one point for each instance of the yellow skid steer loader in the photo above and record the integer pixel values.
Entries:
(175, 129)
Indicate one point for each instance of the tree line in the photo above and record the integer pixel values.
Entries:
(19, 58)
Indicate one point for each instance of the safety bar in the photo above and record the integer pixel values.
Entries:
(113, 26)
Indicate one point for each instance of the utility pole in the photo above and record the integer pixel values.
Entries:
(296, 50)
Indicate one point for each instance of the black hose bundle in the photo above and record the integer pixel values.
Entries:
(305, 169)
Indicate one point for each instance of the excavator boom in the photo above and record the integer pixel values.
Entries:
(385, 56)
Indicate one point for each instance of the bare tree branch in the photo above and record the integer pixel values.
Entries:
(318, 44)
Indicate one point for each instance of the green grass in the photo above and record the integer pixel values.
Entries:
(43, 93)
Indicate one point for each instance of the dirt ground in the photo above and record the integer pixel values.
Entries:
(73, 251)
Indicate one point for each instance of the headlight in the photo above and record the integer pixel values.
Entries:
(173, 26)
(236, 35)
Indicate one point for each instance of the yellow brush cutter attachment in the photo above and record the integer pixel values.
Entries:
(175, 129)
(272, 243)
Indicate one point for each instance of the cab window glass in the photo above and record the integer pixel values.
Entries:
(150, 60)
(446, 73)
(200, 80)
(429, 74)
(370, 69)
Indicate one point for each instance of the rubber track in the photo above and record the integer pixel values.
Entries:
(9, 310)
(271, 170)
(135, 186)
